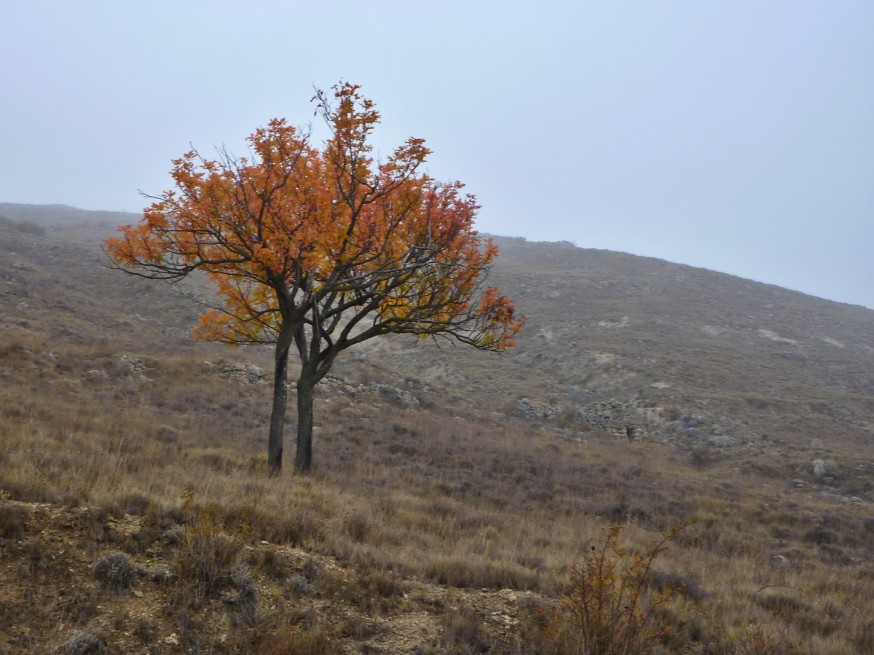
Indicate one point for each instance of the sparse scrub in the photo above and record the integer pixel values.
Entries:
(609, 606)
(463, 633)
(13, 521)
(208, 555)
(114, 571)
(414, 501)
(269, 561)
(377, 591)
(300, 641)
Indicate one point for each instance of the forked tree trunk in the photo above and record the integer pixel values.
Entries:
(304, 456)
(277, 414)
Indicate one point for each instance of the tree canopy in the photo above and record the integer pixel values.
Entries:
(318, 249)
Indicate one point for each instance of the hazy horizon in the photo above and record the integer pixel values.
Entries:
(733, 136)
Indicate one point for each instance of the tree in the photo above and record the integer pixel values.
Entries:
(317, 250)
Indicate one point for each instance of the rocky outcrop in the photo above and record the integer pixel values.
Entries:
(611, 416)
(386, 392)
(246, 373)
(537, 410)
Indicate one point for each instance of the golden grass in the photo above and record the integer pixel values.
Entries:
(461, 503)
(441, 529)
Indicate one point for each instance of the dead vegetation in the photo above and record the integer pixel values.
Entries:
(136, 516)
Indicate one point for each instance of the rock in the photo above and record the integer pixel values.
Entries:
(610, 416)
(397, 395)
(780, 561)
(821, 467)
(721, 441)
(696, 420)
(246, 373)
(173, 536)
(532, 409)
(162, 573)
(130, 366)
(81, 643)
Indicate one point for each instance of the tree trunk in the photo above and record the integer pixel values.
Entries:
(277, 414)
(304, 456)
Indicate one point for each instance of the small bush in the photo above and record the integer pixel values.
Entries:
(820, 535)
(270, 562)
(686, 585)
(28, 227)
(377, 591)
(114, 571)
(864, 637)
(358, 526)
(79, 605)
(244, 603)
(307, 641)
(13, 522)
(463, 633)
(208, 556)
(758, 640)
(610, 606)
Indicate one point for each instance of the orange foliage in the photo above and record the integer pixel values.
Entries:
(301, 235)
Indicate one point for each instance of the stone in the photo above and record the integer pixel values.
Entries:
(609, 416)
(721, 441)
(247, 373)
(531, 409)
(396, 395)
(81, 643)
(162, 573)
(780, 561)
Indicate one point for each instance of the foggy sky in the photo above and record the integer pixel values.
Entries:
(732, 135)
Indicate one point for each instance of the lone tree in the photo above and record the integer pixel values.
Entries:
(316, 250)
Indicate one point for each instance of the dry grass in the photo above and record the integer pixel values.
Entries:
(456, 503)
(443, 529)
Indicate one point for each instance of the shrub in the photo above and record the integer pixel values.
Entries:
(687, 585)
(13, 522)
(31, 228)
(114, 571)
(300, 641)
(270, 562)
(610, 606)
(463, 633)
(208, 556)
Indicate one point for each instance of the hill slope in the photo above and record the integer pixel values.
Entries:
(454, 489)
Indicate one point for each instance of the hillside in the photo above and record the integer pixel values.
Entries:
(454, 490)
(756, 364)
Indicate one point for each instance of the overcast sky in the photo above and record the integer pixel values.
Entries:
(734, 135)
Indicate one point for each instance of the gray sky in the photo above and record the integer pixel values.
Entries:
(730, 134)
